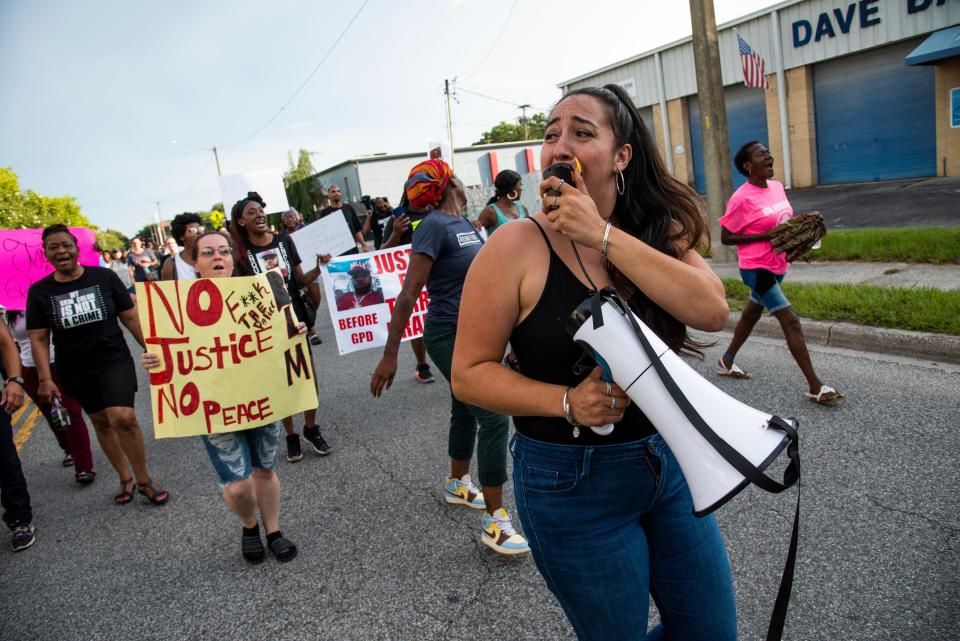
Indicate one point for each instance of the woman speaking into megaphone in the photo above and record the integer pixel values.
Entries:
(608, 514)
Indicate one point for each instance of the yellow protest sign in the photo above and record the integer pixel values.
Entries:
(230, 355)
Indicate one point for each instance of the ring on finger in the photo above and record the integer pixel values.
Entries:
(613, 402)
(554, 206)
(560, 186)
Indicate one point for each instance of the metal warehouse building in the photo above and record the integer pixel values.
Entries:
(872, 91)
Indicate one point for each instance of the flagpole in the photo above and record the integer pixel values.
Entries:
(782, 101)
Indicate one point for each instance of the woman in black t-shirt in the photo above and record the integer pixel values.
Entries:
(610, 517)
(80, 306)
(260, 250)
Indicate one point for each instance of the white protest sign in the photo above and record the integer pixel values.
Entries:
(329, 235)
(361, 290)
(266, 182)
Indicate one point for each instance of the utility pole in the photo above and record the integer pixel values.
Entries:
(159, 234)
(217, 158)
(713, 119)
(446, 91)
(523, 119)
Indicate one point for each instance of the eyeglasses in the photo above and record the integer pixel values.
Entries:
(208, 252)
(194, 230)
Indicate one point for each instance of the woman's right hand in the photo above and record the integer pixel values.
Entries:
(383, 375)
(149, 361)
(590, 404)
(46, 390)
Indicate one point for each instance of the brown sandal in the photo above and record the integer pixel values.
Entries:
(126, 495)
(156, 496)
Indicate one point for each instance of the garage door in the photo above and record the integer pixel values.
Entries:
(746, 120)
(876, 117)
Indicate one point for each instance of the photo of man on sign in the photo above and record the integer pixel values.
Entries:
(362, 292)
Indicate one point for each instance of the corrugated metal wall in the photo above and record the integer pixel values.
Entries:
(746, 120)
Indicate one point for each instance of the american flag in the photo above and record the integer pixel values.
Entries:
(752, 65)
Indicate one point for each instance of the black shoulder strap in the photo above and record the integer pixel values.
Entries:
(542, 233)
(791, 475)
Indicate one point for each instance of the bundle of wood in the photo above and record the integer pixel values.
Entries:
(796, 236)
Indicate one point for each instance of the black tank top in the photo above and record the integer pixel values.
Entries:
(545, 352)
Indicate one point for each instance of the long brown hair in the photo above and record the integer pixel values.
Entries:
(654, 207)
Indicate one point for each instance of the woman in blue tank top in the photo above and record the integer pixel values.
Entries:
(504, 206)
(609, 518)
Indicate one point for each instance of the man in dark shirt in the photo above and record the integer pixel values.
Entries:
(382, 211)
(335, 196)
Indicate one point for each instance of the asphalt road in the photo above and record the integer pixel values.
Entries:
(918, 202)
(382, 557)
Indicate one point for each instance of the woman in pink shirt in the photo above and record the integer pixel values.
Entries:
(759, 205)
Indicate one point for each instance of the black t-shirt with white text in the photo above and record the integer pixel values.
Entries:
(82, 318)
(279, 252)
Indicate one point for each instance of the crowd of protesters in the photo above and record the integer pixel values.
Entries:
(604, 536)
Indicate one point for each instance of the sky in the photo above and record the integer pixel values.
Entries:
(92, 93)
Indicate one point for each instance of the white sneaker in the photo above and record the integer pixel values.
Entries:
(499, 535)
(462, 491)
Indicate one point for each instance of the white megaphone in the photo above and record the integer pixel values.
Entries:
(710, 433)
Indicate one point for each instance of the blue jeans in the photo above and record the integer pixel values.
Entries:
(609, 524)
(235, 454)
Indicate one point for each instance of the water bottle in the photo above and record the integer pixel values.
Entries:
(59, 415)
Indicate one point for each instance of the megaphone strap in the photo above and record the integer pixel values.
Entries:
(791, 475)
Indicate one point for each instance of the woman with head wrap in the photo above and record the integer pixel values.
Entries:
(258, 251)
(443, 249)
(504, 206)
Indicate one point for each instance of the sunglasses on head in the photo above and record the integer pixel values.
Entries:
(207, 252)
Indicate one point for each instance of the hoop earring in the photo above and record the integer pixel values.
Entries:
(621, 183)
(512, 195)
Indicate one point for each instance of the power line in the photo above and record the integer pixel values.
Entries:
(304, 83)
(506, 102)
(193, 184)
(496, 40)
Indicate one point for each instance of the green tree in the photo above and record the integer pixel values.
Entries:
(298, 182)
(19, 210)
(514, 132)
(110, 239)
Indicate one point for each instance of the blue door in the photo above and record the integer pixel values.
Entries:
(876, 117)
(746, 120)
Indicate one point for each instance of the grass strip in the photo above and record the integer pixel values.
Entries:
(921, 309)
(904, 245)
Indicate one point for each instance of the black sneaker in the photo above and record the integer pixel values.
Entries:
(423, 374)
(22, 537)
(315, 340)
(312, 434)
(293, 448)
(67, 460)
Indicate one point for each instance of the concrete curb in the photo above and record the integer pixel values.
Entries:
(940, 348)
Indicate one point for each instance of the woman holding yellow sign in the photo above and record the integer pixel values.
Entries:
(244, 460)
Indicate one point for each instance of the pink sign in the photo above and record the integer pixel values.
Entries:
(22, 261)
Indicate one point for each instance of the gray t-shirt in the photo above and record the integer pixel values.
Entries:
(452, 243)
